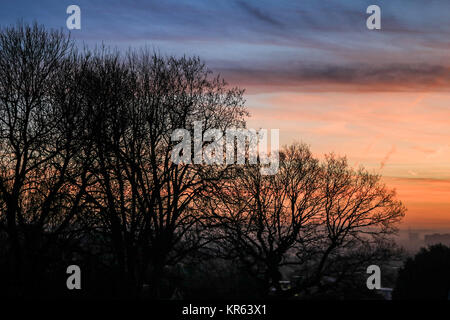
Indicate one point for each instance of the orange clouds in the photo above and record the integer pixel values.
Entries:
(397, 134)
(386, 158)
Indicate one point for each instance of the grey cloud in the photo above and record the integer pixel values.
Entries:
(388, 77)
(258, 14)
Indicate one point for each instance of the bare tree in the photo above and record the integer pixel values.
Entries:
(144, 200)
(359, 214)
(37, 139)
(308, 216)
(262, 218)
(86, 167)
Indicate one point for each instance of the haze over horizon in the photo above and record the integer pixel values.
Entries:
(312, 70)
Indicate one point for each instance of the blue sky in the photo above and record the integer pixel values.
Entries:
(283, 38)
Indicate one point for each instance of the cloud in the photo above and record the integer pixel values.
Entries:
(413, 173)
(387, 77)
(387, 157)
(258, 13)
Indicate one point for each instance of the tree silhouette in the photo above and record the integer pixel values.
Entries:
(37, 147)
(143, 199)
(425, 276)
(87, 178)
(323, 218)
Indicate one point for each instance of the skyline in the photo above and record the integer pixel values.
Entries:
(314, 71)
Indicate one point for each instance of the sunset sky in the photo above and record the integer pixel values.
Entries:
(311, 69)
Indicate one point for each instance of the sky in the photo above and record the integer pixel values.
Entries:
(311, 69)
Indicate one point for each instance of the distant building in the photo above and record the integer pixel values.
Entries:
(437, 238)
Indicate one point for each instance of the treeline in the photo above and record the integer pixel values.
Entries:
(86, 178)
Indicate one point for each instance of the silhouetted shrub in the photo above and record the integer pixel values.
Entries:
(426, 276)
